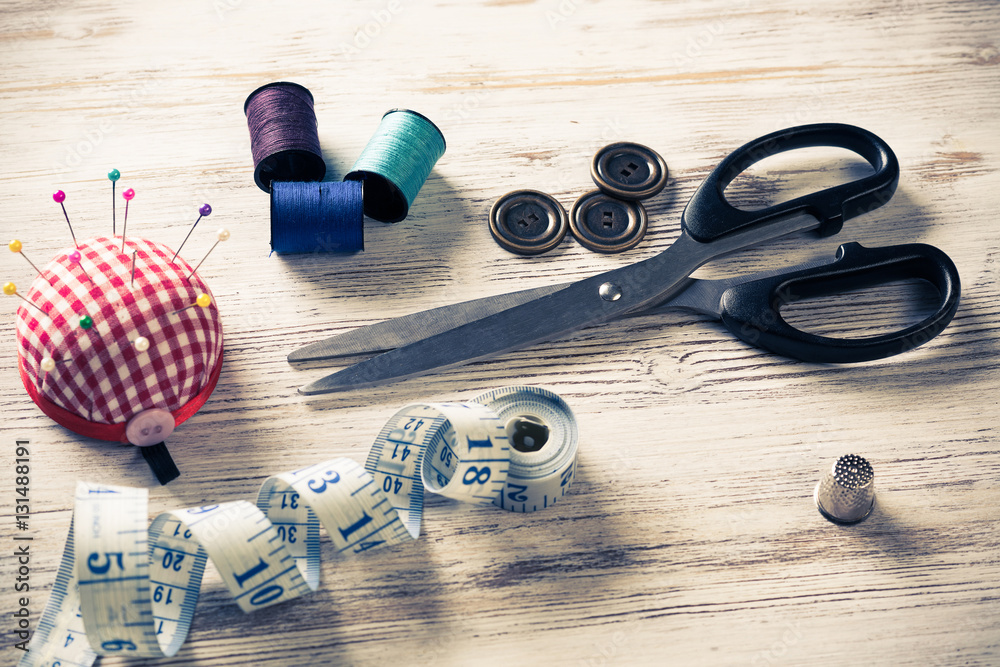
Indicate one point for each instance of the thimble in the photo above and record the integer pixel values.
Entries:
(846, 494)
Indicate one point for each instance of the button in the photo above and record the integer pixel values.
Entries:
(606, 224)
(528, 222)
(629, 171)
(149, 427)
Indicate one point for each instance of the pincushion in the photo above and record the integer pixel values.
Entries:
(102, 380)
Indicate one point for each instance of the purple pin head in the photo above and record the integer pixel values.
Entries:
(128, 194)
(59, 197)
(75, 256)
(205, 210)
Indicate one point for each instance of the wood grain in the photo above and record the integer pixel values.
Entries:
(690, 536)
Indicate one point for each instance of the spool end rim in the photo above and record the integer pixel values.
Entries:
(444, 143)
(272, 85)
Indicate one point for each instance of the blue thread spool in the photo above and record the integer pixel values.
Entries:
(317, 217)
(283, 134)
(396, 162)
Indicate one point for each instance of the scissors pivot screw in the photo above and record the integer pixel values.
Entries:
(610, 291)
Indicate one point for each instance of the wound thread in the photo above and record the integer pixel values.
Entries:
(283, 134)
(396, 163)
(317, 217)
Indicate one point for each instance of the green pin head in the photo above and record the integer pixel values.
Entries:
(114, 175)
(86, 322)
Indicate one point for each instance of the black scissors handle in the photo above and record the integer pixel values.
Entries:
(751, 310)
(709, 216)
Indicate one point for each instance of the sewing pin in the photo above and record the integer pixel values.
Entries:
(128, 194)
(15, 247)
(203, 300)
(141, 344)
(77, 258)
(86, 322)
(223, 236)
(132, 282)
(59, 197)
(48, 365)
(113, 176)
(10, 289)
(204, 211)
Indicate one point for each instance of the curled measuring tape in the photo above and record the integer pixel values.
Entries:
(128, 590)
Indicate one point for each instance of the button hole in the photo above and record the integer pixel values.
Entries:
(630, 169)
(531, 216)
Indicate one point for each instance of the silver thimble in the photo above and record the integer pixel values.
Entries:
(846, 494)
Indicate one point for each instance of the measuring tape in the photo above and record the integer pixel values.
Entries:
(128, 590)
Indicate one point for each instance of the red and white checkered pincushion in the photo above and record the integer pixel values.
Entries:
(101, 380)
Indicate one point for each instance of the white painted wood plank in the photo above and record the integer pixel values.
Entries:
(690, 537)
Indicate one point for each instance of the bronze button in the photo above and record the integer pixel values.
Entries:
(629, 171)
(528, 222)
(605, 224)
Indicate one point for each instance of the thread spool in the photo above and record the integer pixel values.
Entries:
(396, 162)
(283, 134)
(317, 217)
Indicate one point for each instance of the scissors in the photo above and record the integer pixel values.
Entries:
(710, 227)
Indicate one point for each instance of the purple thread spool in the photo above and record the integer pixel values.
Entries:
(283, 136)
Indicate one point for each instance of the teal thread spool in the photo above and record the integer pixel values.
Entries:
(396, 162)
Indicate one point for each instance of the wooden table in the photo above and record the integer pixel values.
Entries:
(690, 536)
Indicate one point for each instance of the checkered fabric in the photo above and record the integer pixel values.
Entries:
(99, 375)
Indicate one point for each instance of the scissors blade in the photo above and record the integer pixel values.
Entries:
(400, 331)
(549, 316)
(590, 301)
(515, 327)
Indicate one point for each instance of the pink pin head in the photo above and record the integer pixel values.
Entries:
(205, 210)
(128, 194)
(75, 256)
(59, 197)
